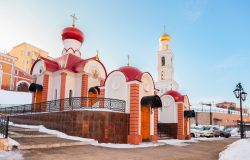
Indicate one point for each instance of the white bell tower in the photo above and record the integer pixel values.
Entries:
(165, 66)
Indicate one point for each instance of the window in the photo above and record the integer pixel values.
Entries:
(70, 96)
(27, 62)
(28, 53)
(162, 61)
(55, 94)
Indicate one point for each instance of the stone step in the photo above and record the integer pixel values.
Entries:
(48, 142)
(54, 145)
(30, 136)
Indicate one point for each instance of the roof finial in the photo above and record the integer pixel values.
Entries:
(97, 55)
(74, 18)
(128, 59)
(164, 29)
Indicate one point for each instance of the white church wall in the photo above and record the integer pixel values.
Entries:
(56, 86)
(168, 113)
(93, 65)
(92, 82)
(78, 85)
(117, 88)
(70, 84)
(50, 88)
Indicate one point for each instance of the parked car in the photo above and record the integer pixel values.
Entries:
(225, 133)
(194, 132)
(207, 132)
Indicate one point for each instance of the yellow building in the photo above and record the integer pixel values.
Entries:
(26, 55)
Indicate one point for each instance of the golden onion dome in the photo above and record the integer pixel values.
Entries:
(165, 37)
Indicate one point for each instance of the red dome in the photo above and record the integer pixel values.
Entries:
(131, 73)
(72, 33)
(176, 95)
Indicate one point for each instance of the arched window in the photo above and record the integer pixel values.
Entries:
(70, 97)
(162, 61)
(55, 94)
(23, 87)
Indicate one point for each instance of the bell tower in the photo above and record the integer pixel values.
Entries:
(165, 68)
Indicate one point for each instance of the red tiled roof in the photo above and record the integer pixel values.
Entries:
(176, 95)
(131, 73)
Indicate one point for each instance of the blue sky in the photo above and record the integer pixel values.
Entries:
(210, 37)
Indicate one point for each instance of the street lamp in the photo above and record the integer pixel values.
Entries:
(239, 93)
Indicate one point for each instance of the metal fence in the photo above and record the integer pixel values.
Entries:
(4, 126)
(68, 104)
(226, 111)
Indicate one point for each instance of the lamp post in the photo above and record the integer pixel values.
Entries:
(239, 93)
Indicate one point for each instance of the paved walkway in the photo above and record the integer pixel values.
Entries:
(195, 151)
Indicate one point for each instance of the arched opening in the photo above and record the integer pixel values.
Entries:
(23, 87)
(93, 95)
(163, 61)
(148, 102)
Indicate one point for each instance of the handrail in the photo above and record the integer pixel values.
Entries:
(67, 104)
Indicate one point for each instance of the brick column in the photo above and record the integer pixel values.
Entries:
(102, 92)
(154, 137)
(45, 91)
(134, 137)
(62, 92)
(84, 89)
(180, 126)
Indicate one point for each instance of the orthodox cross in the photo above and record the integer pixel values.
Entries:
(74, 18)
(128, 59)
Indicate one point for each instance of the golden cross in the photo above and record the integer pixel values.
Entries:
(128, 59)
(74, 19)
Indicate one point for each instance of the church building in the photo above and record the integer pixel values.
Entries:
(72, 76)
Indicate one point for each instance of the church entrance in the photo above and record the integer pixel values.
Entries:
(145, 122)
(93, 95)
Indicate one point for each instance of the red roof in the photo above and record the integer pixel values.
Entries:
(176, 95)
(72, 33)
(131, 73)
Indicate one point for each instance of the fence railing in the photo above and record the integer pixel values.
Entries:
(226, 111)
(4, 126)
(68, 104)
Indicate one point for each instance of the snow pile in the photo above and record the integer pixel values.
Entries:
(58, 134)
(177, 142)
(12, 97)
(235, 132)
(142, 145)
(238, 150)
(11, 155)
(209, 139)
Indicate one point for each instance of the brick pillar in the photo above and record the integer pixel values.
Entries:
(84, 90)
(45, 92)
(180, 126)
(101, 96)
(134, 137)
(154, 137)
(62, 92)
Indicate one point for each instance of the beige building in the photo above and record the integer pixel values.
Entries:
(26, 55)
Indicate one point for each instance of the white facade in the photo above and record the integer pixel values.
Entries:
(165, 68)
(168, 113)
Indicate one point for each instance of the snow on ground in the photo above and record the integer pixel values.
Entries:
(41, 128)
(10, 155)
(12, 97)
(142, 145)
(238, 150)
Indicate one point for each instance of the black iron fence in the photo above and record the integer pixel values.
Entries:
(226, 111)
(68, 104)
(4, 126)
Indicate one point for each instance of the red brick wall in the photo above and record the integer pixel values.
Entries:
(106, 127)
(180, 128)
(84, 89)
(134, 137)
(62, 92)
